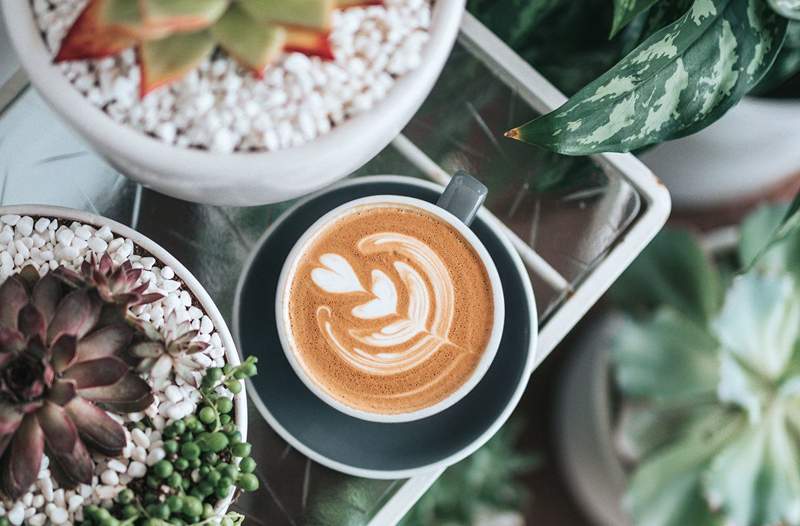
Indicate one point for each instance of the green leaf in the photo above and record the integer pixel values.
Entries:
(755, 478)
(787, 63)
(626, 10)
(674, 271)
(676, 82)
(787, 8)
(759, 323)
(755, 234)
(666, 489)
(668, 359)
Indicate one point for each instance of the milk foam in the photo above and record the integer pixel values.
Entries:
(412, 340)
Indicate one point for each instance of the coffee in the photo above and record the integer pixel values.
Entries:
(390, 309)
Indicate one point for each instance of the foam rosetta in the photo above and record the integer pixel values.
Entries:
(390, 309)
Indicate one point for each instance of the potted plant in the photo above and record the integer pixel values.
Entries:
(315, 90)
(120, 387)
(626, 95)
(698, 399)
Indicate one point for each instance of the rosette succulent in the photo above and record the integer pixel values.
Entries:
(62, 367)
(159, 355)
(709, 372)
(172, 37)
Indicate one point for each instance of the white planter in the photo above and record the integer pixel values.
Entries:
(747, 153)
(182, 273)
(237, 178)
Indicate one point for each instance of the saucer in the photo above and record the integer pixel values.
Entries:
(358, 447)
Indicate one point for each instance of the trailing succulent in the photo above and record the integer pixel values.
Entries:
(63, 365)
(709, 371)
(172, 37)
(681, 64)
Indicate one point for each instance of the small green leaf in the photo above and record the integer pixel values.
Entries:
(787, 8)
(665, 489)
(760, 322)
(674, 271)
(163, 61)
(253, 44)
(626, 10)
(676, 82)
(755, 478)
(666, 360)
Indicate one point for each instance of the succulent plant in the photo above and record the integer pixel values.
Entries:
(61, 368)
(709, 372)
(172, 37)
(160, 355)
(117, 284)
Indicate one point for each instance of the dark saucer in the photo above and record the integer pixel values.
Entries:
(348, 444)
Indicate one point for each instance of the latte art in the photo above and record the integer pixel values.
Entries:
(405, 341)
(390, 309)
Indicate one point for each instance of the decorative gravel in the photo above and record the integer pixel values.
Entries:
(223, 108)
(48, 244)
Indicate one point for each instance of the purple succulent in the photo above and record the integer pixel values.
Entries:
(118, 284)
(61, 369)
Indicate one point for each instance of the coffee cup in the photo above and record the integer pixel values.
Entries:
(389, 308)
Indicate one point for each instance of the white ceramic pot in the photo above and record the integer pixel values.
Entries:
(238, 178)
(747, 153)
(182, 273)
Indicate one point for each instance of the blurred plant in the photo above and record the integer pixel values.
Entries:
(709, 372)
(483, 484)
(467, 493)
(676, 66)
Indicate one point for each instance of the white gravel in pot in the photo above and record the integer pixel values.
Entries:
(49, 243)
(223, 108)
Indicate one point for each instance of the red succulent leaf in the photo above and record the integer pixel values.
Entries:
(11, 340)
(5, 440)
(147, 350)
(108, 341)
(129, 395)
(59, 431)
(77, 313)
(89, 38)
(21, 464)
(67, 276)
(62, 392)
(63, 352)
(13, 297)
(46, 295)
(73, 468)
(96, 427)
(10, 419)
(106, 264)
(102, 372)
(31, 322)
(145, 299)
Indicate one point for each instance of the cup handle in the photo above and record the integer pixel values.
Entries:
(463, 197)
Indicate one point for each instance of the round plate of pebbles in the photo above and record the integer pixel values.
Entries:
(222, 135)
(121, 397)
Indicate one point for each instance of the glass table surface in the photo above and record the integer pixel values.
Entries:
(564, 214)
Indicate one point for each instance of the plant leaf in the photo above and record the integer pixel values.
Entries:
(674, 271)
(626, 10)
(759, 323)
(755, 478)
(665, 489)
(667, 359)
(676, 82)
(787, 8)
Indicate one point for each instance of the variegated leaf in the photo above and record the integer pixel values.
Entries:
(787, 8)
(626, 10)
(676, 82)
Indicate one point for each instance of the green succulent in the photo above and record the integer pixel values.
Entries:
(708, 367)
(172, 37)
